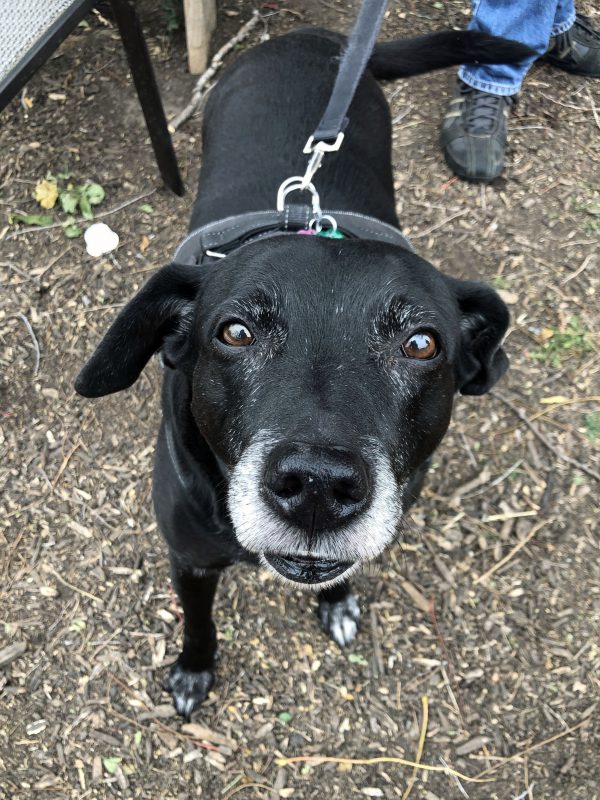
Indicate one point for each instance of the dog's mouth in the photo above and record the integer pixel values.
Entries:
(306, 569)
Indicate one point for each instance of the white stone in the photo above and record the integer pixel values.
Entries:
(100, 239)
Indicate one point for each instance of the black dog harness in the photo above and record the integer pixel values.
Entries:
(218, 239)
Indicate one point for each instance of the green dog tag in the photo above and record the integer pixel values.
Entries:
(331, 234)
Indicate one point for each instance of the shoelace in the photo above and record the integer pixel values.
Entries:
(483, 110)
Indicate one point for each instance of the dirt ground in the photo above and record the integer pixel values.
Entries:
(489, 607)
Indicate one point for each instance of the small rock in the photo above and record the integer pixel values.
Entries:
(36, 727)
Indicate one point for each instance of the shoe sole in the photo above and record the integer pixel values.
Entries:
(562, 68)
(459, 170)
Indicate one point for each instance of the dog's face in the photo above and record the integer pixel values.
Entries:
(322, 375)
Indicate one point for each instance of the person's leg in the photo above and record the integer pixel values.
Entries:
(564, 17)
(527, 21)
(473, 136)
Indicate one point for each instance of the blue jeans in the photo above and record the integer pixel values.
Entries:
(531, 22)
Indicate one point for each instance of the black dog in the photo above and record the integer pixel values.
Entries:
(307, 379)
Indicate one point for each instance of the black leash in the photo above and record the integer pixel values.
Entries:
(329, 133)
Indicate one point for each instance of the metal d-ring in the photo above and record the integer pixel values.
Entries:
(294, 184)
(318, 220)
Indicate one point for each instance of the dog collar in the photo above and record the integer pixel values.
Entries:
(218, 239)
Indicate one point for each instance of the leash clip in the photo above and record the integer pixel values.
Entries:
(317, 151)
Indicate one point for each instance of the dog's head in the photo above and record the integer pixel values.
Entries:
(322, 375)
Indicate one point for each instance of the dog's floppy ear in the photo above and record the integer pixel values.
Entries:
(483, 319)
(157, 311)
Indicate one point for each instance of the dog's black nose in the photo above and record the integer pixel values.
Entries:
(315, 488)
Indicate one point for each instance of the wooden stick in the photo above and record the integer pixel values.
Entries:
(282, 762)
(36, 347)
(533, 747)
(544, 440)
(215, 64)
(420, 747)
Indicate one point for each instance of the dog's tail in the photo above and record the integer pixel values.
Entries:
(405, 57)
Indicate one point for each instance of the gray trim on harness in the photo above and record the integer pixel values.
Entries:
(242, 228)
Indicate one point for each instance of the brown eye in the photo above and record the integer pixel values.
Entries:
(236, 335)
(422, 345)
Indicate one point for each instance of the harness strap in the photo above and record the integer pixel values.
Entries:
(360, 46)
(228, 234)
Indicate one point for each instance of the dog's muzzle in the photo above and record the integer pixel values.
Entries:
(313, 513)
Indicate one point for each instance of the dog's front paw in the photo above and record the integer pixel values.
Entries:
(340, 619)
(188, 688)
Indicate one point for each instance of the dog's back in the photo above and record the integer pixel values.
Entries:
(266, 105)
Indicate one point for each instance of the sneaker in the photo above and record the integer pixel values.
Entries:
(473, 136)
(576, 50)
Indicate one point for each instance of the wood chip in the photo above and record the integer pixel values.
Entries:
(96, 770)
(47, 782)
(10, 653)
(207, 735)
(415, 595)
(472, 745)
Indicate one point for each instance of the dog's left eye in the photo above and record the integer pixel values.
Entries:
(422, 345)
(235, 334)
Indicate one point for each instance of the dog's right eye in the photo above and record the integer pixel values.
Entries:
(236, 334)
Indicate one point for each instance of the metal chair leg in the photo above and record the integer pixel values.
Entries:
(147, 89)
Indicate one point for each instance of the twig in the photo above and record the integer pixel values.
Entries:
(533, 747)
(282, 762)
(461, 788)
(506, 515)
(578, 242)
(449, 660)
(65, 461)
(37, 228)
(593, 107)
(250, 786)
(519, 546)
(564, 105)
(579, 269)
(433, 228)
(75, 588)
(420, 747)
(378, 658)
(337, 9)
(215, 64)
(36, 346)
(544, 440)
(171, 731)
(401, 115)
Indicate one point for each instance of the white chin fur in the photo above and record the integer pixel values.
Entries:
(259, 530)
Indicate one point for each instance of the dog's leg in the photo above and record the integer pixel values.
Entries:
(413, 490)
(339, 613)
(192, 675)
